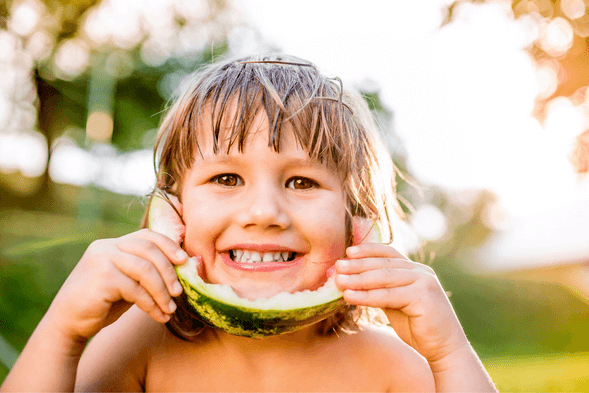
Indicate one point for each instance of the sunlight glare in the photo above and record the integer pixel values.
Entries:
(4, 109)
(128, 173)
(558, 37)
(155, 52)
(124, 23)
(72, 57)
(94, 25)
(117, 22)
(193, 39)
(429, 222)
(547, 79)
(137, 174)
(530, 24)
(24, 17)
(461, 107)
(8, 46)
(25, 152)
(563, 123)
(573, 9)
(192, 9)
(40, 45)
(70, 164)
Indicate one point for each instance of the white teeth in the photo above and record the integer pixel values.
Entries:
(255, 257)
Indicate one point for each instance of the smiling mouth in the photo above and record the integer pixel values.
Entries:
(244, 256)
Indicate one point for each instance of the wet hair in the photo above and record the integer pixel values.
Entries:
(333, 125)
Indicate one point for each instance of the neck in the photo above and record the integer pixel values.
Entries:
(267, 349)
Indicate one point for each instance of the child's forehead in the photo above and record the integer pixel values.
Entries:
(290, 150)
(290, 153)
(229, 127)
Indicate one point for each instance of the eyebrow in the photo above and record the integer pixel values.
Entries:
(224, 159)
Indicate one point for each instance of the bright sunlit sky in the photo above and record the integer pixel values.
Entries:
(462, 95)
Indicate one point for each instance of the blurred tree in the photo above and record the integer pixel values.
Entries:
(101, 71)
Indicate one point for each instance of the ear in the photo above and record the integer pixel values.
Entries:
(165, 217)
(365, 231)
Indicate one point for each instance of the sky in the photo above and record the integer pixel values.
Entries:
(462, 94)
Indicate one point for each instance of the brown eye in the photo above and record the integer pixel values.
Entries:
(301, 183)
(227, 179)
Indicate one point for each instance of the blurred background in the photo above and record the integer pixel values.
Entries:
(483, 104)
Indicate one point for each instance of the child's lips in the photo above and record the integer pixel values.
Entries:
(260, 266)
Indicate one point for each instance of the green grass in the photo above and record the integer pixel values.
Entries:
(3, 373)
(540, 373)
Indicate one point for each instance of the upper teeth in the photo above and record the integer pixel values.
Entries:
(253, 256)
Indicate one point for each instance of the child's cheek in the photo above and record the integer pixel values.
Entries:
(327, 226)
(201, 226)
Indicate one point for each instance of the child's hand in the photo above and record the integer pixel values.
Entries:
(409, 293)
(112, 275)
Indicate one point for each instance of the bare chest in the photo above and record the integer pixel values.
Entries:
(309, 371)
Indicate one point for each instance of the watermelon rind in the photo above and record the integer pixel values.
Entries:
(219, 306)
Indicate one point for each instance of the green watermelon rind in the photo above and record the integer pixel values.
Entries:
(219, 306)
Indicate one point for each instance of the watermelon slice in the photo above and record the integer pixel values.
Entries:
(219, 306)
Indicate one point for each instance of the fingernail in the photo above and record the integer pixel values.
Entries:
(343, 263)
(177, 288)
(172, 306)
(181, 254)
(343, 277)
(353, 250)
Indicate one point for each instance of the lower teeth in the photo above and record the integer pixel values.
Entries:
(250, 261)
(233, 258)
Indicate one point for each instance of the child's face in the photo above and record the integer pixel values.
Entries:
(265, 203)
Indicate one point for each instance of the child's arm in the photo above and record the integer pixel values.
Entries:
(111, 275)
(417, 307)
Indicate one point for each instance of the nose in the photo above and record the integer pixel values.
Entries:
(264, 207)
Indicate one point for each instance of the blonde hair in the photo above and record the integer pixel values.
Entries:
(332, 124)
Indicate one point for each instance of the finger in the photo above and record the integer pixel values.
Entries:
(146, 275)
(149, 251)
(172, 250)
(372, 250)
(132, 292)
(379, 278)
(353, 266)
(394, 298)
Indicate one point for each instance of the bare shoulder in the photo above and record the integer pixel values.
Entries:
(116, 358)
(390, 357)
